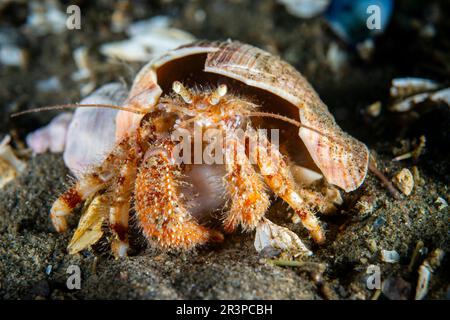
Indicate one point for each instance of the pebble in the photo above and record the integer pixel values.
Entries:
(372, 245)
(12, 51)
(379, 222)
(51, 84)
(374, 109)
(442, 204)
(404, 181)
(48, 270)
(391, 256)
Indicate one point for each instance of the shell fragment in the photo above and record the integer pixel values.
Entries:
(10, 165)
(269, 234)
(148, 38)
(404, 87)
(426, 270)
(404, 180)
(390, 256)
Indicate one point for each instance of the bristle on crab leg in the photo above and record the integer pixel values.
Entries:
(120, 206)
(278, 177)
(64, 205)
(160, 207)
(249, 199)
(323, 204)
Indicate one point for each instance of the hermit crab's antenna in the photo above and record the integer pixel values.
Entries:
(74, 106)
(181, 90)
(371, 166)
(275, 116)
(288, 120)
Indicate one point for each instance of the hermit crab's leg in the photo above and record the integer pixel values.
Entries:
(278, 177)
(322, 203)
(160, 207)
(86, 187)
(120, 205)
(249, 200)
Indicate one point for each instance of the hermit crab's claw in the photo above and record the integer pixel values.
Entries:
(181, 90)
(89, 229)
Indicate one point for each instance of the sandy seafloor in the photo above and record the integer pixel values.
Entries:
(33, 258)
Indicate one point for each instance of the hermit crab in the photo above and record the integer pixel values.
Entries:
(226, 86)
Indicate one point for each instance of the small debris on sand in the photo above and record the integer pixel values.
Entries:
(10, 165)
(404, 180)
(374, 109)
(442, 204)
(391, 256)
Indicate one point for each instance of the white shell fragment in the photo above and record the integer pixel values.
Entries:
(148, 38)
(91, 134)
(431, 263)
(407, 104)
(413, 91)
(441, 95)
(390, 256)
(10, 165)
(404, 180)
(51, 137)
(404, 87)
(270, 234)
(442, 204)
(305, 8)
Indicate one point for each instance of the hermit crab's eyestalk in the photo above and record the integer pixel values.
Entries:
(181, 90)
(220, 92)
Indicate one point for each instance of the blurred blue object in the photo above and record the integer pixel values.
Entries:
(356, 20)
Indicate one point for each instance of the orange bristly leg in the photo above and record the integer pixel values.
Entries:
(278, 177)
(160, 207)
(87, 186)
(249, 200)
(317, 201)
(120, 204)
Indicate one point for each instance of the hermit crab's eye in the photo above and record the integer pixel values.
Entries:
(220, 92)
(181, 90)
